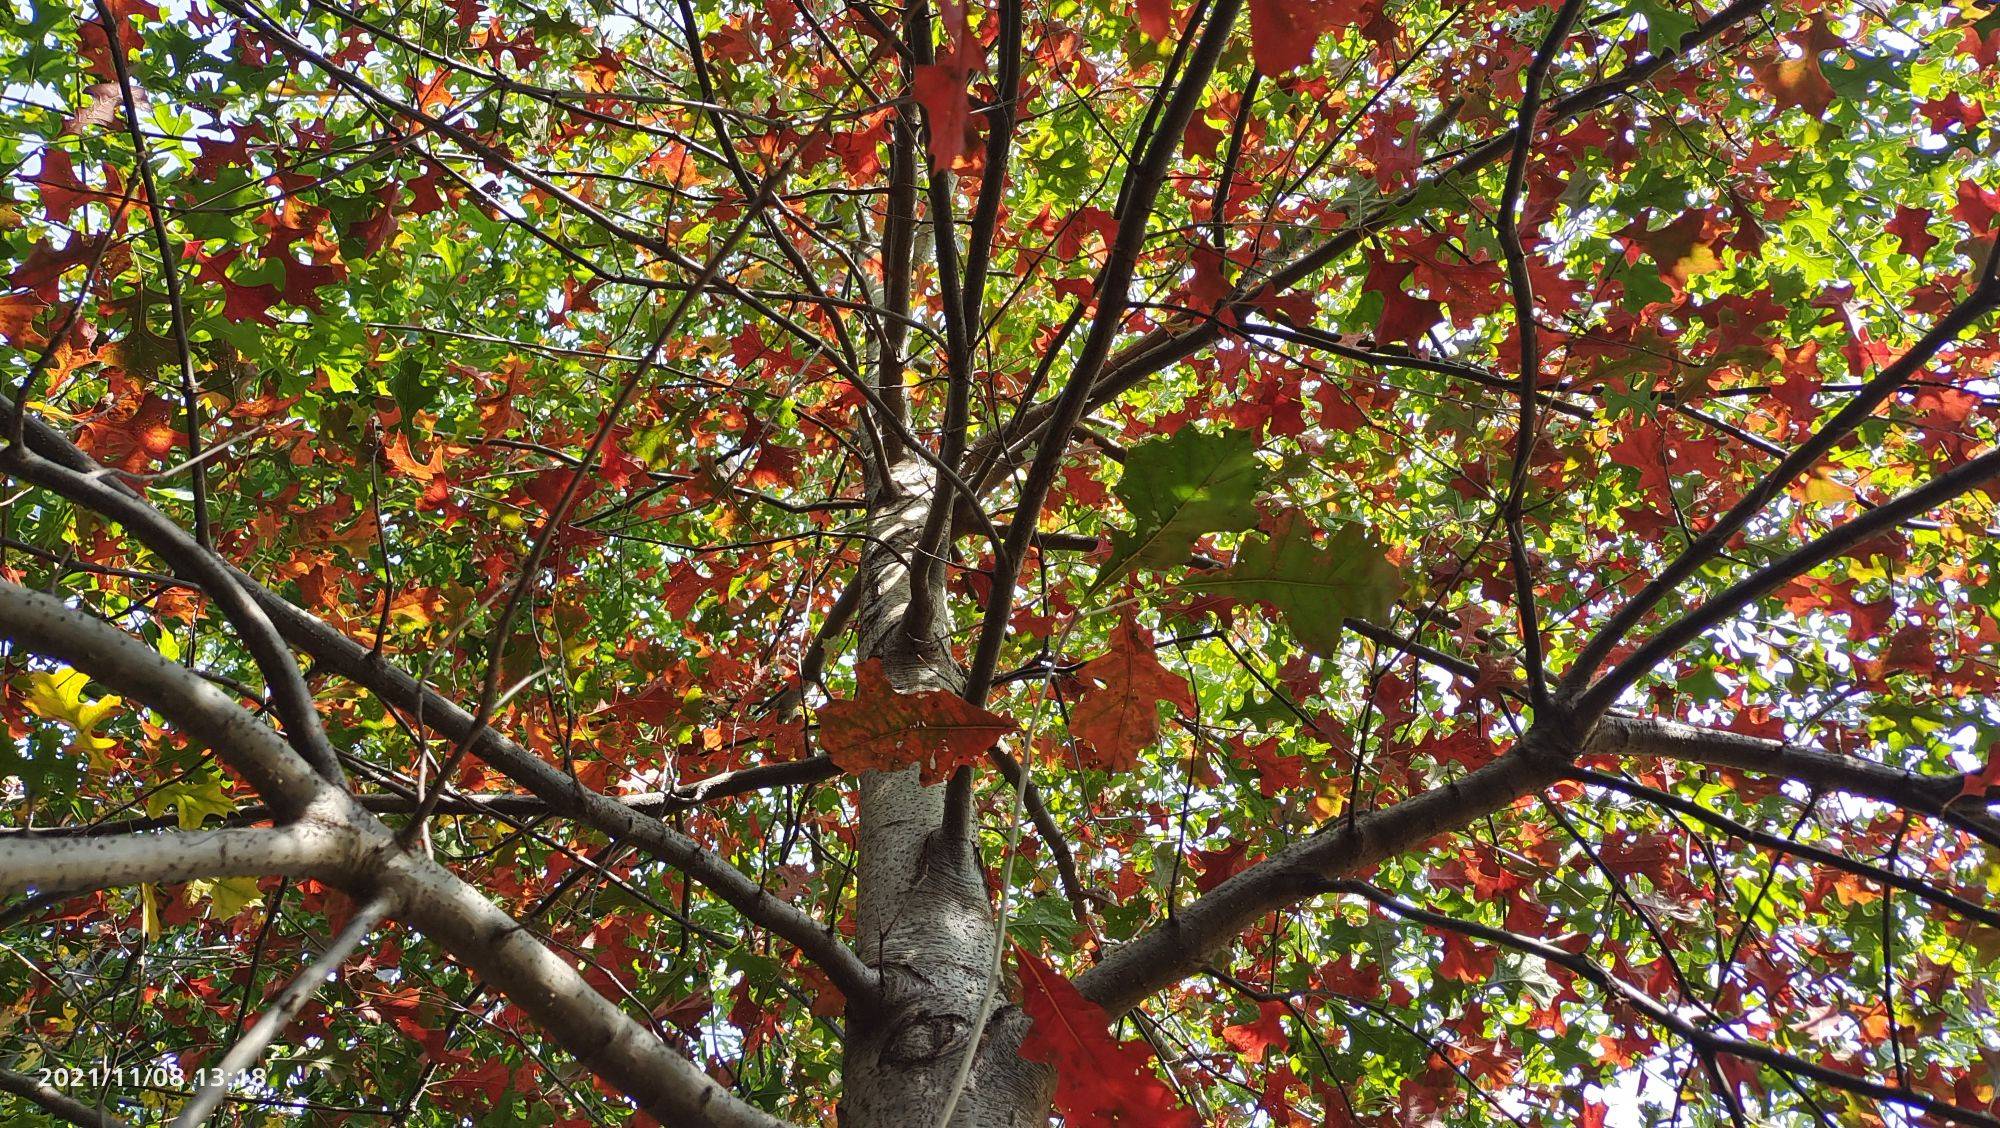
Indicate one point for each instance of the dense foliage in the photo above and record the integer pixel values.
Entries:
(1509, 616)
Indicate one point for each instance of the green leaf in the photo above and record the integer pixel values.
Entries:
(192, 800)
(1666, 25)
(1314, 587)
(412, 387)
(1179, 488)
(1045, 920)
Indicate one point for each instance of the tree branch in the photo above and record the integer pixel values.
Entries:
(1670, 740)
(339, 654)
(363, 857)
(1704, 1040)
(1961, 479)
(57, 1103)
(1521, 287)
(1180, 945)
(1168, 345)
(43, 625)
(249, 1049)
(1137, 196)
(1778, 843)
(303, 849)
(93, 490)
(1985, 294)
(564, 795)
(502, 805)
(508, 957)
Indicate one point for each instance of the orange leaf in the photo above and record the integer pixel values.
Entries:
(17, 313)
(882, 730)
(1118, 716)
(1251, 1039)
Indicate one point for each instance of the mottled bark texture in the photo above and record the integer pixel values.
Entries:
(925, 917)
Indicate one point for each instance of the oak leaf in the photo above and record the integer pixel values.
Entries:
(17, 314)
(1315, 587)
(1176, 489)
(1118, 715)
(62, 192)
(1683, 249)
(1283, 33)
(1100, 1081)
(883, 730)
(1266, 1032)
(58, 695)
(1405, 318)
(941, 89)
(1155, 18)
(1797, 82)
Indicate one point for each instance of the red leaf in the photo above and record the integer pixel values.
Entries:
(126, 9)
(1797, 82)
(242, 302)
(62, 192)
(1099, 1080)
(1390, 146)
(1910, 229)
(1943, 113)
(1155, 18)
(1118, 716)
(1208, 288)
(940, 88)
(1983, 49)
(375, 231)
(292, 222)
(882, 730)
(248, 303)
(1978, 783)
(1683, 249)
(1405, 318)
(1283, 33)
(45, 264)
(1977, 208)
(1465, 961)
(303, 278)
(217, 155)
(1643, 447)
(1217, 866)
(1251, 1039)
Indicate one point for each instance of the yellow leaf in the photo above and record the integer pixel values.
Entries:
(149, 912)
(226, 896)
(58, 695)
(1821, 488)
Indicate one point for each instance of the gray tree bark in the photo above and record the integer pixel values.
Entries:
(924, 916)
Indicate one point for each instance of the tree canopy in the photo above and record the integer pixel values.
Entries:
(1299, 562)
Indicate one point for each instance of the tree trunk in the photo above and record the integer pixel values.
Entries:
(924, 916)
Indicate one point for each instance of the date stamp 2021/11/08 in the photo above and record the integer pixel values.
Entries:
(145, 1075)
